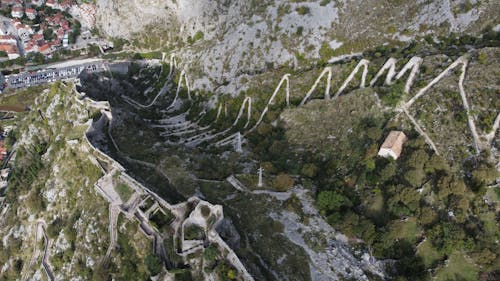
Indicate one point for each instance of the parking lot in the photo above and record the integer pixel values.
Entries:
(33, 78)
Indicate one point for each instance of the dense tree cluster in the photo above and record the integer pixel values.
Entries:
(394, 206)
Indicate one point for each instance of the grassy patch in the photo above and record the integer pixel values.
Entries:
(162, 220)
(457, 268)
(124, 191)
(404, 229)
(428, 253)
(19, 100)
(194, 232)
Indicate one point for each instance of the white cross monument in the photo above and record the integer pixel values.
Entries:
(238, 143)
(260, 177)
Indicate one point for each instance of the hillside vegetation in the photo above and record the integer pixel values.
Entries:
(52, 184)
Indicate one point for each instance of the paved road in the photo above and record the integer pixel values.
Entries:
(27, 79)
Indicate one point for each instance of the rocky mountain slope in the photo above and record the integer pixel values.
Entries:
(70, 212)
(224, 42)
(274, 111)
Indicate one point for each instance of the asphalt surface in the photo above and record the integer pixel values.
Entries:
(27, 79)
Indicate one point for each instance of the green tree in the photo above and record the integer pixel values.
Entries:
(101, 273)
(154, 264)
(415, 177)
(450, 185)
(436, 163)
(55, 228)
(37, 58)
(48, 34)
(329, 201)
(484, 257)
(417, 159)
(374, 133)
(210, 254)
(388, 172)
(309, 170)
(427, 215)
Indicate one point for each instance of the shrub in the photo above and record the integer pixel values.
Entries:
(154, 264)
(194, 232)
(198, 36)
(309, 170)
(55, 228)
(282, 182)
(324, 2)
(205, 211)
(299, 31)
(302, 10)
(332, 201)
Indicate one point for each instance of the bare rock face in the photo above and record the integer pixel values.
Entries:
(229, 233)
(127, 19)
(124, 18)
(219, 41)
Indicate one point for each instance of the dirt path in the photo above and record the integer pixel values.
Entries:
(285, 79)
(329, 71)
(162, 91)
(496, 125)
(470, 120)
(41, 225)
(114, 212)
(392, 75)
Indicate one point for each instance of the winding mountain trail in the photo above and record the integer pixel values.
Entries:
(470, 120)
(329, 71)
(40, 227)
(363, 63)
(45, 260)
(166, 86)
(496, 125)
(285, 79)
(390, 66)
(421, 131)
(164, 89)
(392, 75)
(247, 102)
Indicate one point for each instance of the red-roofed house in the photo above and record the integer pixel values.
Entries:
(44, 49)
(37, 37)
(8, 2)
(10, 49)
(66, 4)
(65, 25)
(31, 46)
(51, 3)
(37, 2)
(60, 33)
(58, 17)
(56, 42)
(9, 39)
(30, 13)
(17, 12)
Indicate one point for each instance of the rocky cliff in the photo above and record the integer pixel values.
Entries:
(220, 40)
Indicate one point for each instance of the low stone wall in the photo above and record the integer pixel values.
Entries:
(106, 119)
